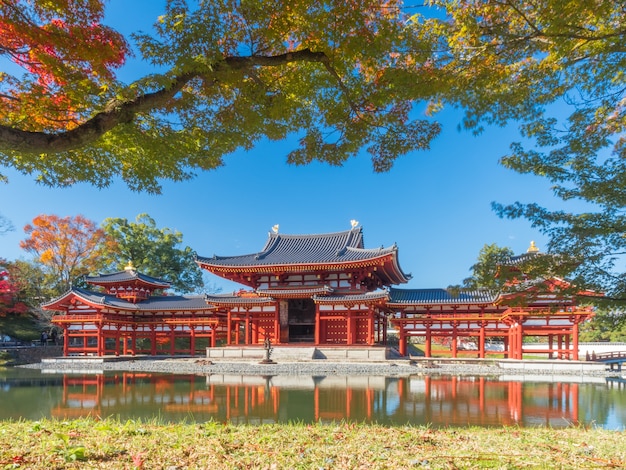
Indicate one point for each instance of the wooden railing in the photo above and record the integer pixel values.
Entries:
(602, 357)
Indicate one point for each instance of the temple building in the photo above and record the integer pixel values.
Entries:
(323, 289)
(320, 290)
(131, 315)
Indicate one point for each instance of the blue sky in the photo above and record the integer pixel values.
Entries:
(436, 205)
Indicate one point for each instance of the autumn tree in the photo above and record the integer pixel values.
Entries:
(9, 290)
(67, 247)
(335, 75)
(33, 284)
(157, 252)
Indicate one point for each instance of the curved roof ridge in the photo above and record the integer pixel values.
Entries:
(272, 242)
(374, 251)
(323, 250)
(124, 276)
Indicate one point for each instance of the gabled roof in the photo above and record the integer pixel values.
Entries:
(441, 296)
(322, 250)
(128, 276)
(154, 303)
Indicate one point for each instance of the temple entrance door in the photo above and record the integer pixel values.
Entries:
(301, 321)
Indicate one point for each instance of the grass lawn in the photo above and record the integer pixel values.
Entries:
(88, 443)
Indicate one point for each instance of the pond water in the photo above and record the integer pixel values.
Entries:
(437, 401)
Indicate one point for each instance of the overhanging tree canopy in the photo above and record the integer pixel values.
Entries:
(341, 76)
(555, 67)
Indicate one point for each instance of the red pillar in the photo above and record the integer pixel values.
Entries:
(66, 340)
(454, 341)
(237, 324)
(255, 330)
(429, 339)
(402, 340)
(229, 328)
(575, 341)
(370, 326)
(317, 324)
(481, 341)
(246, 328)
(349, 328)
(192, 341)
(277, 322)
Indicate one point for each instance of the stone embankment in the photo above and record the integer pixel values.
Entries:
(401, 367)
(31, 354)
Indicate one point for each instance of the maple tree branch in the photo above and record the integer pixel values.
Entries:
(118, 112)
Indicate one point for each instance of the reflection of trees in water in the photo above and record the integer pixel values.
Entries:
(607, 405)
(596, 402)
(27, 395)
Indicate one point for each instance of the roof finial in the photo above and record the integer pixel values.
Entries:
(354, 223)
(129, 266)
(532, 248)
(275, 228)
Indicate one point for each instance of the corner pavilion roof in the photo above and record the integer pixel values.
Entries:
(320, 251)
(129, 277)
(159, 303)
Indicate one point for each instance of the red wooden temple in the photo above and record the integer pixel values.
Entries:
(319, 289)
(130, 315)
(322, 290)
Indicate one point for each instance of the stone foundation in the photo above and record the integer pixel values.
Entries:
(33, 354)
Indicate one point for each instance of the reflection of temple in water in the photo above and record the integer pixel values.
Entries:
(437, 401)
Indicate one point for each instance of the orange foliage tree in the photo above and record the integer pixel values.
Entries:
(66, 51)
(67, 247)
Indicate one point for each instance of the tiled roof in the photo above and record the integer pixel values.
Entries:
(520, 259)
(296, 291)
(282, 249)
(126, 276)
(229, 299)
(441, 296)
(353, 298)
(153, 303)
